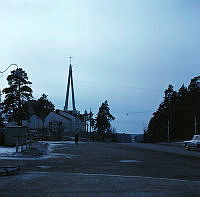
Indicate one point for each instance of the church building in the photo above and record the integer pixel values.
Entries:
(60, 122)
(67, 121)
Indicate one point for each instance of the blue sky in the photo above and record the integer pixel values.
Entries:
(125, 51)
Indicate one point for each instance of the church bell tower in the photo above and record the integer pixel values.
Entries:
(70, 82)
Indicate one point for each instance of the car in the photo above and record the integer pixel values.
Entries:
(193, 144)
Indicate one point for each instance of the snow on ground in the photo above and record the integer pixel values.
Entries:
(10, 152)
(7, 150)
(50, 156)
(55, 144)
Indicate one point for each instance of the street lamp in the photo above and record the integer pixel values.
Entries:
(17, 72)
(8, 68)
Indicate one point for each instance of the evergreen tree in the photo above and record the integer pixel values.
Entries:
(43, 106)
(194, 99)
(103, 118)
(18, 92)
(195, 85)
(170, 99)
(181, 110)
(182, 92)
(183, 114)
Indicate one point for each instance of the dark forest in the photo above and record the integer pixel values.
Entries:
(177, 117)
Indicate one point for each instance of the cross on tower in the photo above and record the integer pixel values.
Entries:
(70, 57)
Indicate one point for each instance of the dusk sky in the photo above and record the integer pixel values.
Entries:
(124, 51)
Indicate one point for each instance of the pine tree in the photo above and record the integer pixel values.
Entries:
(158, 125)
(43, 106)
(183, 114)
(103, 118)
(181, 109)
(194, 95)
(18, 92)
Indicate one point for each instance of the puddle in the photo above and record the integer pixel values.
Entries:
(44, 167)
(129, 161)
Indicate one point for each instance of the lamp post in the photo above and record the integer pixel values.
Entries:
(8, 68)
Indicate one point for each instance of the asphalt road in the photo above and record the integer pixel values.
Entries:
(105, 169)
(175, 148)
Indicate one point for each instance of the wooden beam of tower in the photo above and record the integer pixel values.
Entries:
(72, 85)
(67, 93)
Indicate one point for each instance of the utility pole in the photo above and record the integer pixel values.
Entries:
(195, 124)
(0, 95)
(168, 131)
(0, 105)
(90, 120)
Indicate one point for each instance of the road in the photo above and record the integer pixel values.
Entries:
(167, 147)
(105, 169)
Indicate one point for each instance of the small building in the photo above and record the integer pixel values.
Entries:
(63, 124)
(34, 122)
(57, 125)
(14, 134)
(78, 125)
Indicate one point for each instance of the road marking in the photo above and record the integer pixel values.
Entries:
(116, 175)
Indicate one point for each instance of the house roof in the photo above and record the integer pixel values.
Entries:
(60, 115)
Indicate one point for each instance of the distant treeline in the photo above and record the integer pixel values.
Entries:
(178, 116)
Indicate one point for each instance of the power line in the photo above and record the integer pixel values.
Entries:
(105, 84)
(117, 85)
(131, 113)
(100, 83)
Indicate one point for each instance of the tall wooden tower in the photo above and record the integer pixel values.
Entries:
(70, 82)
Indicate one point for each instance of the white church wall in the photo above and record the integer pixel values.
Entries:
(35, 122)
(77, 124)
(56, 121)
(69, 116)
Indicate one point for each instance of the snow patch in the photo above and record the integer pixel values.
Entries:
(44, 167)
(49, 156)
(46, 149)
(7, 150)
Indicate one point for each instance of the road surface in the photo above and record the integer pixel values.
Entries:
(104, 169)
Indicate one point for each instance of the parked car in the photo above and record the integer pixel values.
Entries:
(193, 144)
